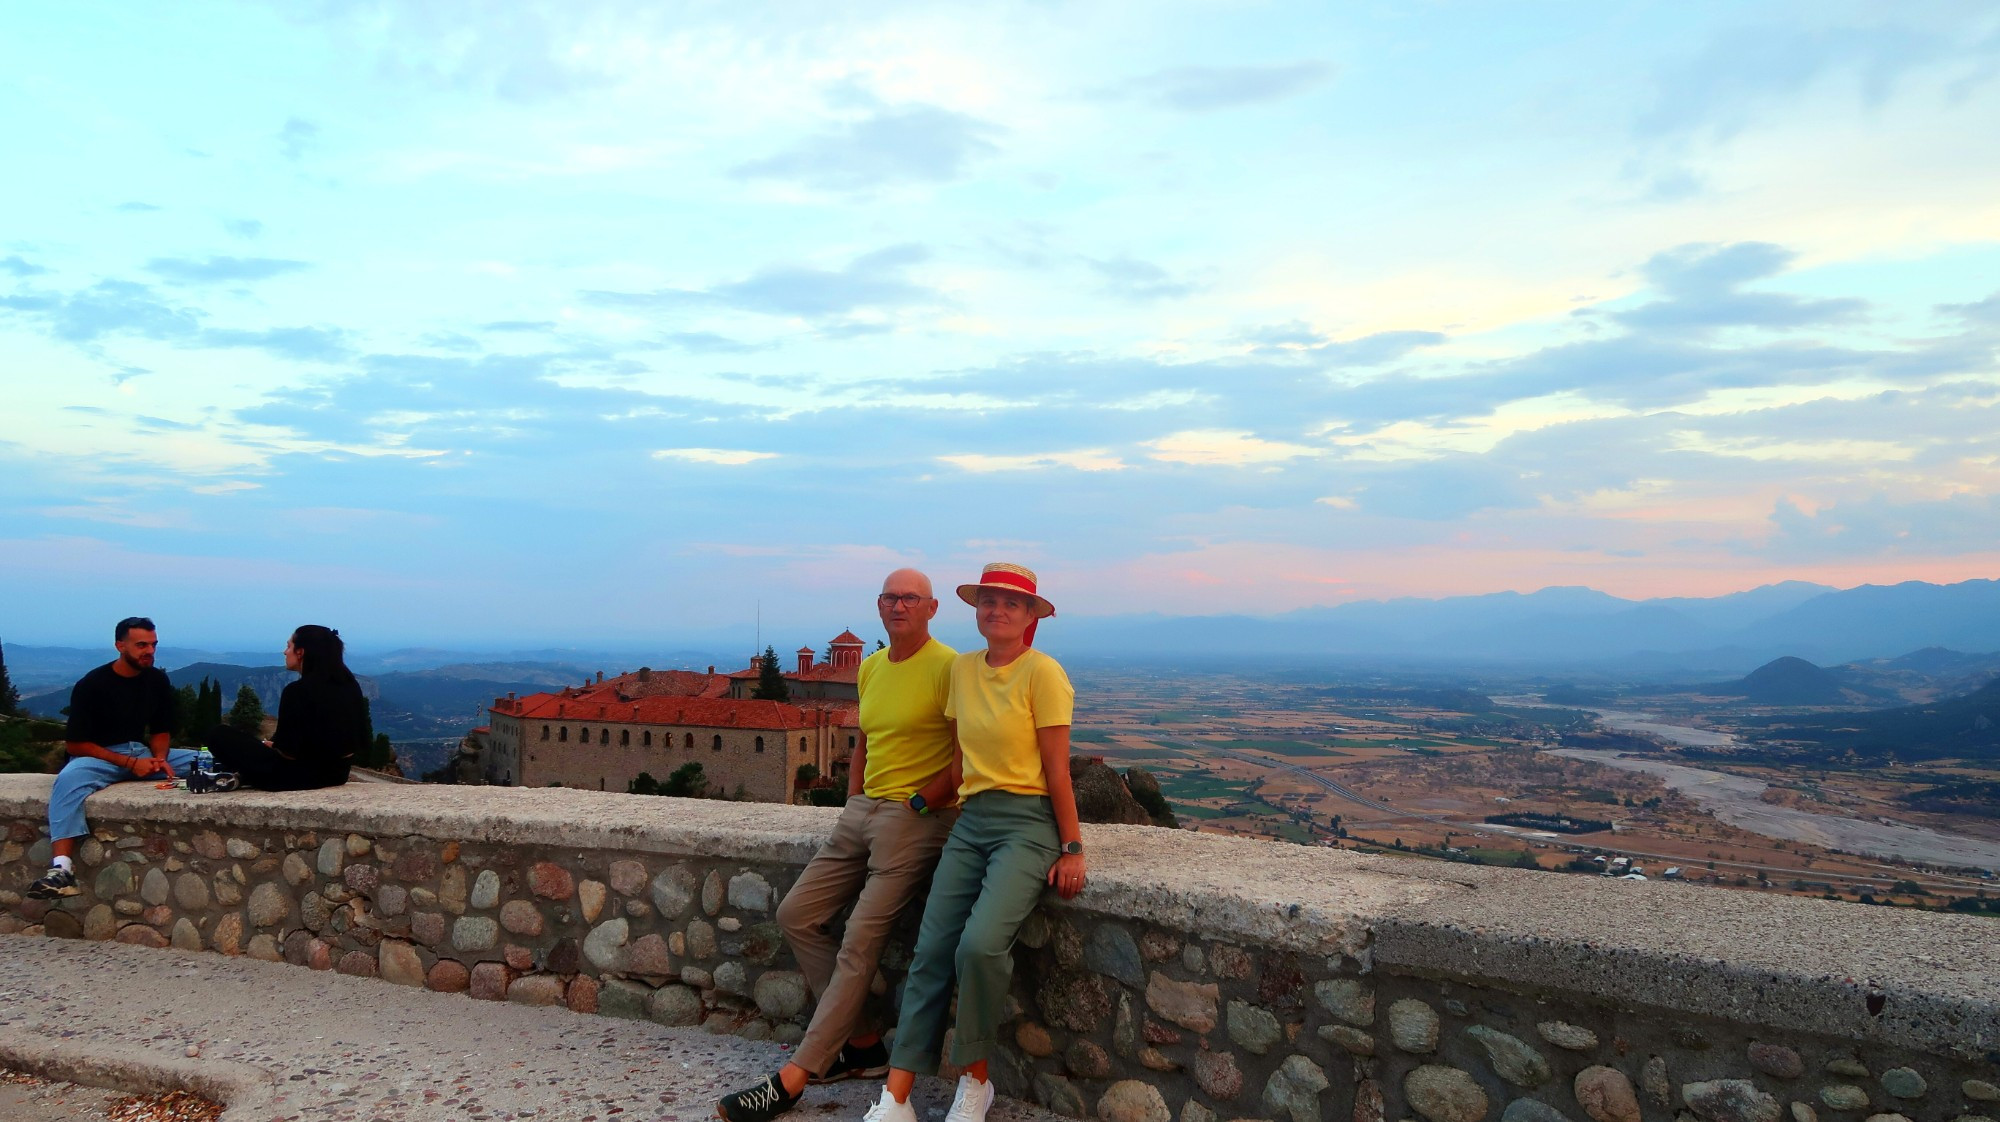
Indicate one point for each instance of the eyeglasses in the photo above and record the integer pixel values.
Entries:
(907, 599)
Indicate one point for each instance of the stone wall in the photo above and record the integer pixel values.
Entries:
(1199, 978)
(761, 762)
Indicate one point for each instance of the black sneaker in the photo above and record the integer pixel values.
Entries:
(58, 882)
(761, 1103)
(871, 1062)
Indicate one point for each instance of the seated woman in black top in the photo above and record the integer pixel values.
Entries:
(322, 722)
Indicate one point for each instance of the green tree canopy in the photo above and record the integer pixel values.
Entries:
(247, 714)
(645, 784)
(770, 680)
(686, 782)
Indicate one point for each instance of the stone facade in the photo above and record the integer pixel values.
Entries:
(606, 755)
(1181, 986)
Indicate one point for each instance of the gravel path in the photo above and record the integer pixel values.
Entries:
(280, 1042)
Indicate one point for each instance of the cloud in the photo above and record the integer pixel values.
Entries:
(887, 145)
(1876, 525)
(1703, 289)
(872, 281)
(1088, 459)
(248, 229)
(320, 344)
(732, 457)
(222, 270)
(1202, 89)
(136, 207)
(16, 265)
(1133, 279)
(708, 343)
(1218, 447)
(109, 307)
(297, 138)
(1743, 71)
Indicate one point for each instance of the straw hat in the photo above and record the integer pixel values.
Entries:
(1007, 578)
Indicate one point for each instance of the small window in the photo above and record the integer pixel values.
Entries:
(604, 736)
(687, 740)
(760, 744)
(802, 744)
(718, 742)
(562, 734)
(850, 744)
(600, 783)
(545, 732)
(646, 738)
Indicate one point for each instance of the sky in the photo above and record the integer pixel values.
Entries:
(452, 322)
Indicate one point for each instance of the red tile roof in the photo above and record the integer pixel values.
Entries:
(848, 639)
(697, 712)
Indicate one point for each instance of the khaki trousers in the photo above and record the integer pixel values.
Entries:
(880, 857)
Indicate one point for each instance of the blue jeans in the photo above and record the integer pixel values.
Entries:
(84, 776)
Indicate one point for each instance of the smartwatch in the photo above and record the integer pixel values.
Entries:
(1072, 849)
(916, 802)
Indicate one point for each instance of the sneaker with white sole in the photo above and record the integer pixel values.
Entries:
(887, 1109)
(972, 1101)
(56, 883)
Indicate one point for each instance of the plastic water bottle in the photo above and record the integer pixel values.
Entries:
(203, 761)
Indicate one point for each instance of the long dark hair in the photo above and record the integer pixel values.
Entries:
(321, 653)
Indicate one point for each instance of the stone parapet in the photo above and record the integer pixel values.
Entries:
(1198, 978)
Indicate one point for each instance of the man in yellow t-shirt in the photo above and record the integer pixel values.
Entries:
(881, 853)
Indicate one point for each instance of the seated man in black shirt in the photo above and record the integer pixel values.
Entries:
(121, 719)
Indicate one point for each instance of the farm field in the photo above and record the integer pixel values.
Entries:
(1382, 770)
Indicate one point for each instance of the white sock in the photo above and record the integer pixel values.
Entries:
(63, 863)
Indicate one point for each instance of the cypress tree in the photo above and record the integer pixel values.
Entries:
(248, 712)
(770, 680)
(10, 698)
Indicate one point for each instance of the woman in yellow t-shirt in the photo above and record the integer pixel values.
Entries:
(1016, 833)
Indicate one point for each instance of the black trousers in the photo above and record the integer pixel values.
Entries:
(262, 767)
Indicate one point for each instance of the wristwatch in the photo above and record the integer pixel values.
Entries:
(918, 804)
(1072, 849)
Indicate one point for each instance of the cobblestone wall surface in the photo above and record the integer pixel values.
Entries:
(1207, 993)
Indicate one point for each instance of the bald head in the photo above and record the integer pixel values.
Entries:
(907, 580)
(906, 606)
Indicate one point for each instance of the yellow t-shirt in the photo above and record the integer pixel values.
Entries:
(902, 715)
(998, 711)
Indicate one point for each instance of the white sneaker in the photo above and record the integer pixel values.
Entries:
(971, 1102)
(887, 1109)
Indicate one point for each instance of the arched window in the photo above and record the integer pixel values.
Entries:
(802, 744)
(718, 742)
(760, 744)
(562, 734)
(624, 737)
(850, 744)
(604, 736)
(687, 740)
(545, 732)
(646, 738)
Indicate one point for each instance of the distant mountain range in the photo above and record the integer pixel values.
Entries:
(1966, 727)
(1578, 629)
(1580, 632)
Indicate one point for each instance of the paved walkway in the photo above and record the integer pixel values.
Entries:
(281, 1042)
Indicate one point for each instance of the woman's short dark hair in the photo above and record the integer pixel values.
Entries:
(321, 651)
